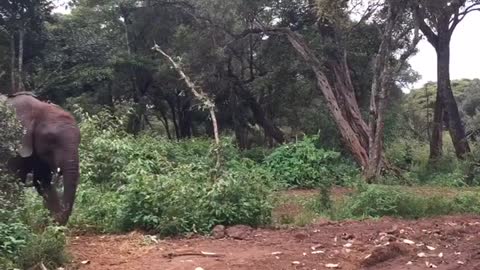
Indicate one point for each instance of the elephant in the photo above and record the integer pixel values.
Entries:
(49, 145)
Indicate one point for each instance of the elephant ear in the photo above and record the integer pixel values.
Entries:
(26, 149)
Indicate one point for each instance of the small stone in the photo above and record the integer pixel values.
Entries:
(407, 241)
(384, 253)
(393, 230)
(348, 236)
(301, 236)
(240, 232)
(218, 232)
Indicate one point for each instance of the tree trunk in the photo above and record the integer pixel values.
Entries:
(436, 141)
(13, 65)
(345, 93)
(455, 126)
(21, 38)
(164, 119)
(268, 126)
(184, 118)
(239, 125)
(261, 118)
(173, 110)
(353, 139)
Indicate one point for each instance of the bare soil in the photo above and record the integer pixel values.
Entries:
(451, 242)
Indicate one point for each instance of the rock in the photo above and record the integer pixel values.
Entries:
(348, 236)
(301, 236)
(408, 241)
(394, 230)
(240, 232)
(384, 253)
(218, 232)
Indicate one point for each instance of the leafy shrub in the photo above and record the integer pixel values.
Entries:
(164, 186)
(467, 203)
(47, 247)
(378, 201)
(189, 200)
(257, 154)
(303, 165)
(413, 156)
(96, 209)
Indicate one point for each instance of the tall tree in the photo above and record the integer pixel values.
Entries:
(437, 20)
(17, 20)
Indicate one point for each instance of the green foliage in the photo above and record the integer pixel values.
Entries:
(419, 106)
(303, 165)
(468, 202)
(47, 247)
(413, 156)
(188, 200)
(164, 186)
(378, 201)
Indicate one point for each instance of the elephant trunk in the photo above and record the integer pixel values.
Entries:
(71, 174)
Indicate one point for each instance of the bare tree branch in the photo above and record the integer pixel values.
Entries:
(200, 95)
(459, 16)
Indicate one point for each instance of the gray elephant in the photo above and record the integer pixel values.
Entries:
(49, 145)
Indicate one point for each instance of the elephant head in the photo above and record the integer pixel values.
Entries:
(50, 143)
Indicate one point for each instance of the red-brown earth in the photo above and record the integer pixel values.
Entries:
(445, 243)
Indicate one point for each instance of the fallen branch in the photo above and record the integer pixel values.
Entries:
(192, 253)
(200, 95)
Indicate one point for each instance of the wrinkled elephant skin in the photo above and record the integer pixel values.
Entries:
(49, 145)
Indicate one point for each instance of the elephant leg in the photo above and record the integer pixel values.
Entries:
(44, 186)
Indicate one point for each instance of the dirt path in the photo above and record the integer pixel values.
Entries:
(444, 243)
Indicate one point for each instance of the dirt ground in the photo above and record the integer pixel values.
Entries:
(443, 243)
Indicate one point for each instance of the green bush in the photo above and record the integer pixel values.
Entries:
(164, 186)
(47, 247)
(378, 201)
(189, 200)
(413, 156)
(467, 203)
(96, 209)
(303, 165)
